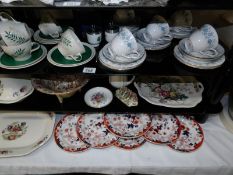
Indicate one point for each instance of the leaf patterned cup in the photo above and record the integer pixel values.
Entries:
(21, 52)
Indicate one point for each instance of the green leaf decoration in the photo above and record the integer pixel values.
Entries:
(19, 52)
(15, 38)
(66, 42)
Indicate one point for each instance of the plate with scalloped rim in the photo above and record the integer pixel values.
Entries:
(129, 143)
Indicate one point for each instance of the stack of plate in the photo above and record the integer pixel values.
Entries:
(120, 63)
(180, 32)
(197, 59)
(45, 39)
(153, 45)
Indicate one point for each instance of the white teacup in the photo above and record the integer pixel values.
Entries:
(157, 31)
(50, 29)
(124, 45)
(21, 52)
(204, 40)
(14, 33)
(119, 81)
(70, 46)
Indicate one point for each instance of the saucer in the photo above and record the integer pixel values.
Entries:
(220, 50)
(98, 97)
(57, 59)
(43, 39)
(119, 59)
(180, 32)
(8, 62)
(198, 64)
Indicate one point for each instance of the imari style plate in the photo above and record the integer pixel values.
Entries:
(8, 62)
(23, 132)
(127, 125)
(174, 95)
(129, 143)
(98, 97)
(91, 130)
(66, 136)
(165, 129)
(191, 136)
(13, 90)
(57, 59)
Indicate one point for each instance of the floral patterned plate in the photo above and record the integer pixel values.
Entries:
(23, 132)
(130, 143)
(191, 136)
(174, 95)
(98, 97)
(127, 125)
(165, 128)
(91, 130)
(13, 90)
(66, 136)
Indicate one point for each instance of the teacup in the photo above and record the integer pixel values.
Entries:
(111, 31)
(157, 31)
(204, 40)
(14, 33)
(124, 45)
(70, 46)
(94, 38)
(119, 81)
(21, 52)
(50, 29)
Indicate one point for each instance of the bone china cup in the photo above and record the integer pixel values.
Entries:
(155, 31)
(70, 46)
(206, 38)
(21, 52)
(123, 44)
(50, 29)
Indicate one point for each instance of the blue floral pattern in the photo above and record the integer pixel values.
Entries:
(209, 35)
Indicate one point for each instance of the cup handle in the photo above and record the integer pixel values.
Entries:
(35, 46)
(131, 81)
(166, 37)
(76, 57)
(146, 37)
(211, 53)
(111, 52)
(188, 46)
(55, 35)
(7, 15)
(133, 55)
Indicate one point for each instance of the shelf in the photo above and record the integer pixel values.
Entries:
(172, 4)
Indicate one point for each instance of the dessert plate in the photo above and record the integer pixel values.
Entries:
(57, 59)
(91, 130)
(127, 125)
(66, 136)
(13, 90)
(98, 97)
(191, 136)
(23, 132)
(165, 129)
(174, 95)
(8, 62)
(129, 143)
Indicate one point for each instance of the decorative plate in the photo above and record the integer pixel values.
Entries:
(98, 97)
(57, 59)
(174, 95)
(8, 62)
(126, 96)
(66, 136)
(91, 130)
(13, 90)
(191, 136)
(165, 129)
(127, 125)
(23, 132)
(129, 143)
(63, 86)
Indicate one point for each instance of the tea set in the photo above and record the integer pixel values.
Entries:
(201, 50)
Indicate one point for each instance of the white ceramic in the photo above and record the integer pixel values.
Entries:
(14, 33)
(109, 36)
(94, 38)
(46, 41)
(24, 132)
(155, 31)
(181, 32)
(13, 90)
(124, 44)
(206, 38)
(70, 46)
(98, 97)
(119, 81)
(50, 29)
(106, 2)
(21, 52)
(174, 95)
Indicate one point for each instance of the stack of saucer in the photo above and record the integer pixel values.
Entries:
(122, 53)
(181, 32)
(201, 50)
(155, 36)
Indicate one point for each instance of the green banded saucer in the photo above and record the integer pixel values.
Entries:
(57, 59)
(8, 62)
